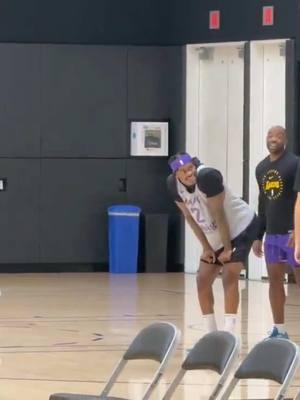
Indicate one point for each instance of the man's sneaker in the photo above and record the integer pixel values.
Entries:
(278, 335)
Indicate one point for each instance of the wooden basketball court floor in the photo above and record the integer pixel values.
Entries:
(65, 332)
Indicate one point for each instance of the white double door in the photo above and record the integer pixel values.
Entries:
(228, 114)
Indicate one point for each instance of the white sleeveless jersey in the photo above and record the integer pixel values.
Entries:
(238, 213)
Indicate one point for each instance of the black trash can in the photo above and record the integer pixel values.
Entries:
(156, 242)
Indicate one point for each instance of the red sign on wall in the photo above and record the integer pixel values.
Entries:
(268, 16)
(214, 19)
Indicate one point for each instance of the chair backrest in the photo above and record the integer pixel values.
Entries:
(273, 359)
(211, 352)
(156, 342)
(153, 342)
(215, 351)
(270, 359)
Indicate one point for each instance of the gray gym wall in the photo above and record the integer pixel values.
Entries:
(64, 123)
(80, 71)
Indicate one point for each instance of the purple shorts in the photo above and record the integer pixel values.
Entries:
(277, 250)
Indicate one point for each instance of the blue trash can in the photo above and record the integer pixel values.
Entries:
(123, 235)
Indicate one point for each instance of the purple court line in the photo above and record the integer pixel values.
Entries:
(65, 344)
(83, 317)
(64, 351)
(173, 291)
(128, 318)
(54, 346)
(270, 384)
(77, 349)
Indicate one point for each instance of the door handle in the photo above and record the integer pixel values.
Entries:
(122, 185)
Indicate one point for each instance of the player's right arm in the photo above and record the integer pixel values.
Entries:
(257, 246)
(208, 253)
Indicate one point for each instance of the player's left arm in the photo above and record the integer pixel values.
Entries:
(216, 208)
(210, 181)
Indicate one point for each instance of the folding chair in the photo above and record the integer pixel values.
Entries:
(216, 351)
(273, 359)
(156, 342)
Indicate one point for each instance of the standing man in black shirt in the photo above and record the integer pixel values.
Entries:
(225, 226)
(275, 177)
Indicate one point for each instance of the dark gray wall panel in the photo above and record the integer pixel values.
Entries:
(239, 21)
(149, 78)
(84, 101)
(147, 188)
(19, 228)
(85, 21)
(75, 195)
(103, 21)
(156, 88)
(19, 100)
(146, 184)
(147, 22)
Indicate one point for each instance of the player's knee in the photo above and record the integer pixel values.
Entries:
(203, 282)
(230, 278)
(276, 278)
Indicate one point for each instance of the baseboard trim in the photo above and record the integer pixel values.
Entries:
(69, 267)
(52, 267)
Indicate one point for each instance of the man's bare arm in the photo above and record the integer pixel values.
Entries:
(216, 208)
(194, 226)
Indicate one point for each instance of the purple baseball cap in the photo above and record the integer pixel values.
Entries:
(180, 161)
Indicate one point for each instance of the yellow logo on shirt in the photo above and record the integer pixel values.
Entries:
(272, 184)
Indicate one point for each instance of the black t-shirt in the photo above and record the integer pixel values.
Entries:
(209, 181)
(297, 180)
(276, 194)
